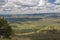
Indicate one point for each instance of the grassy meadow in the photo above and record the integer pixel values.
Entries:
(43, 29)
(37, 30)
(33, 26)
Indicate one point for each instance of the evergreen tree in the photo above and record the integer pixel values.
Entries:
(5, 28)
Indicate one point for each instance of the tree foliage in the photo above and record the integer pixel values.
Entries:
(5, 28)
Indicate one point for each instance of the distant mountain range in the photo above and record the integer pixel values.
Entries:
(39, 14)
(29, 17)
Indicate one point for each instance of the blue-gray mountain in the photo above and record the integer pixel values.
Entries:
(29, 17)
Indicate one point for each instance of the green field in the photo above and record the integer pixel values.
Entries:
(33, 26)
(37, 29)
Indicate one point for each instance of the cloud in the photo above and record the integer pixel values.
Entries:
(26, 2)
(42, 3)
(57, 1)
(30, 6)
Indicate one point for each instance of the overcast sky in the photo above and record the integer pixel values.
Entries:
(31, 6)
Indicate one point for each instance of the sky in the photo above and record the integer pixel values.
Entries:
(52, 1)
(31, 6)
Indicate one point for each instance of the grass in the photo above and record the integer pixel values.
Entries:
(33, 26)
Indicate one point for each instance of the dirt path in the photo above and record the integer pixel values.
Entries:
(21, 38)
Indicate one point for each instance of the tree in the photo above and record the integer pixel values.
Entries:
(5, 28)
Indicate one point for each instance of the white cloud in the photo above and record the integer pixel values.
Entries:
(26, 2)
(31, 6)
(42, 3)
(57, 1)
